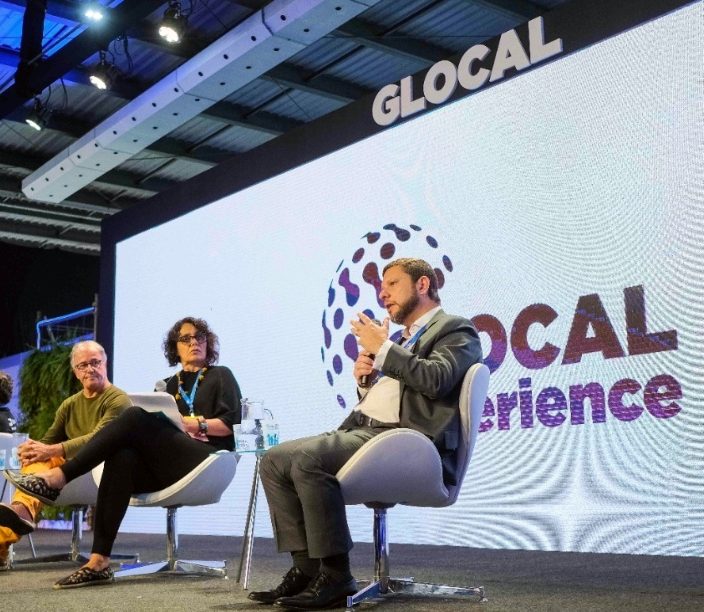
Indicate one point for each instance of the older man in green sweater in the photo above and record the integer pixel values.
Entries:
(76, 421)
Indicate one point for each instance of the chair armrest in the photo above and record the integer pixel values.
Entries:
(398, 466)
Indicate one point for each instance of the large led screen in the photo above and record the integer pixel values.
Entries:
(564, 209)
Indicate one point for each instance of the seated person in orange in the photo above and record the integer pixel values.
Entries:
(76, 421)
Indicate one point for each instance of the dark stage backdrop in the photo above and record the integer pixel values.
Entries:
(559, 191)
(32, 280)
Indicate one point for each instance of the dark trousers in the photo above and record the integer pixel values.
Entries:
(305, 502)
(142, 453)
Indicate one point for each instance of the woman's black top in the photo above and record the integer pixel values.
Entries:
(218, 397)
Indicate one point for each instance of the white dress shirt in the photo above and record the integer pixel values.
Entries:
(383, 400)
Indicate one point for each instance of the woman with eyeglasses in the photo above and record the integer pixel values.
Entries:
(144, 452)
(207, 395)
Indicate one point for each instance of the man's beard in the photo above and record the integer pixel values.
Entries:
(405, 309)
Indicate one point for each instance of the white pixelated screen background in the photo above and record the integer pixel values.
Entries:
(582, 177)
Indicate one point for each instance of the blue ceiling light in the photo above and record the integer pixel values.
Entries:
(93, 12)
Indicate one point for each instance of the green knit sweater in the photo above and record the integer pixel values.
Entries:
(79, 417)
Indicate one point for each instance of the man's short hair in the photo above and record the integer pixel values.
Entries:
(86, 344)
(416, 268)
(6, 385)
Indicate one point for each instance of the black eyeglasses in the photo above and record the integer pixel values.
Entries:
(84, 365)
(199, 337)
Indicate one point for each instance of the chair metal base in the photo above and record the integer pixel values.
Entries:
(193, 568)
(376, 589)
(172, 564)
(383, 584)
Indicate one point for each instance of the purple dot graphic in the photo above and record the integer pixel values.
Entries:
(441, 278)
(370, 274)
(401, 234)
(387, 250)
(351, 290)
(326, 333)
(354, 283)
(338, 318)
(351, 349)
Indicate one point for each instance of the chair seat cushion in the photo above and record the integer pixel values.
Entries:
(379, 471)
(203, 485)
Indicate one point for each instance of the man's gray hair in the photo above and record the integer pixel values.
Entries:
(86, 344)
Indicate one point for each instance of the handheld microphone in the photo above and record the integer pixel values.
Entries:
(365, 380)
(160, 386)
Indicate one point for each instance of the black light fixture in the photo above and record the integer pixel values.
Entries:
(173, 24)
(102, 75)
(38, 117)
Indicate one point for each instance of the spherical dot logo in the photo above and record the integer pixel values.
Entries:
(355, 288)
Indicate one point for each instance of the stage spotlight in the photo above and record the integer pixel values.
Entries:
(38, 117)
(102, 75)
(173, 25)
(93, 12)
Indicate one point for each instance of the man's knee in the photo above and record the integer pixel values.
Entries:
(272, 463)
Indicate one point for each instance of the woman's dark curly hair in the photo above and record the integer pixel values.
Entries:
(212, 352)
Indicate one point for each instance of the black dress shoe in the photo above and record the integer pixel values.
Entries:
(293, 583)
(323, 592)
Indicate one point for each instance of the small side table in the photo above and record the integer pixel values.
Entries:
(248, 541)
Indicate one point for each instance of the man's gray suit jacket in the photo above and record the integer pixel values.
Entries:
(431, 375)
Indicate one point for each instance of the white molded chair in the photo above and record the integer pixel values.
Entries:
(203, 485)
(7, 443)
(79, 493)
(402, 466)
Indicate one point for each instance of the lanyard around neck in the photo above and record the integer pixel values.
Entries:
(411, 342)
(407, 344)
(189, 398)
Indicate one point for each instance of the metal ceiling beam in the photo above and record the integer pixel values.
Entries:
(405, 47)
(257, 44)
(327, 87)
(65, 12)
(86, 202)
(112, 179)
(53, 224)
(83, 46)
(520, 9)
(48, 242)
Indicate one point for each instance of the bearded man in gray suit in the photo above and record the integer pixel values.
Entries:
(417, 385)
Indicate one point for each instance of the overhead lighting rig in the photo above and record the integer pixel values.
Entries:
(102, 75)
(93, 12)
(38, 117)
(173, 24)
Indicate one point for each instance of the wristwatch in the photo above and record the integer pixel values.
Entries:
(202, 426)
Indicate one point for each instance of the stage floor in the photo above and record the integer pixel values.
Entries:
(515, 581)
